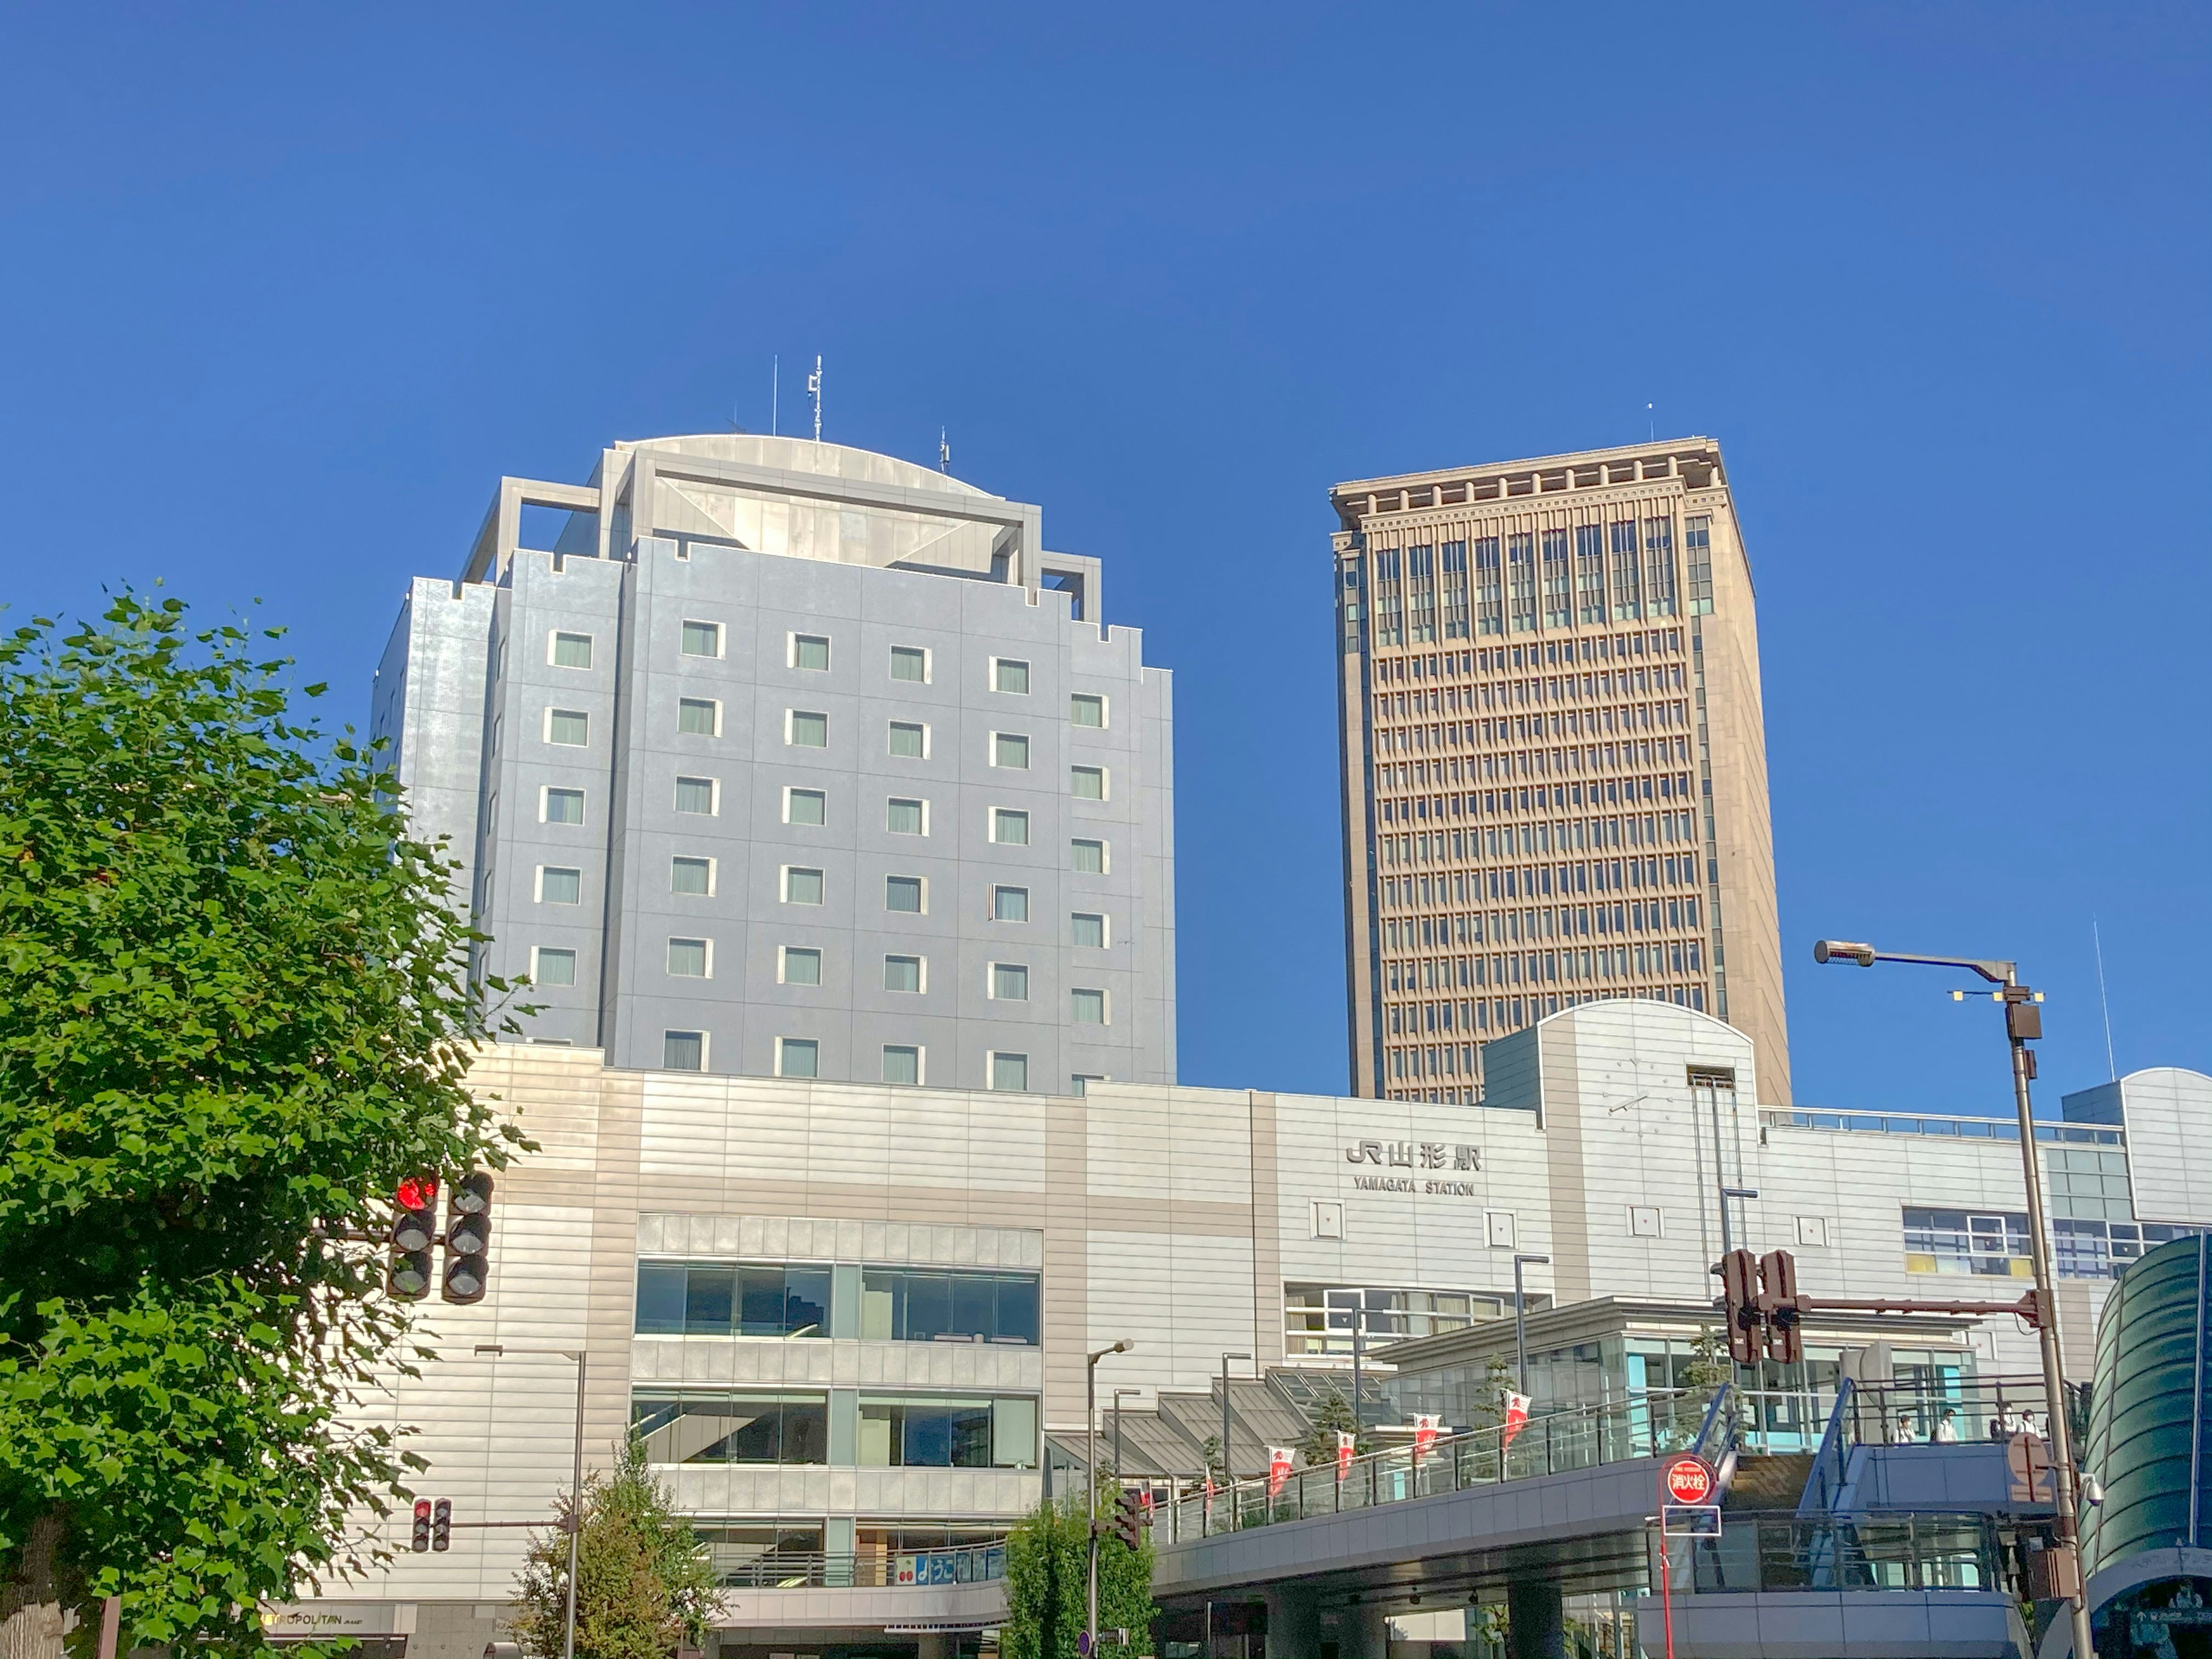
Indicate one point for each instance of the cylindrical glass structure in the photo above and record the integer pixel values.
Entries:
(2151, 1410)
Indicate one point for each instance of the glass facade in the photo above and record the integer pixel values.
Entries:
(796, 1299)
(2150, 1416)
(782, 1299)
(1319, 1318)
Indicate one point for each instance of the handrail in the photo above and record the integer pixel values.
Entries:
(1647, 1426)
(1821, 1489)
(958, 1564)
(1879, 1549)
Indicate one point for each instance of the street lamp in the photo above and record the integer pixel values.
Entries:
(1228, 1474)
(1520, 1318)
(499, 1351)
(1118, 1392)
(1091, 1469)
(2023, 1024)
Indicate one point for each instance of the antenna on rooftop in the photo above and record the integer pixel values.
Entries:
(944, 452)
(775, 378)
(1651, 423)
(814, 390)
(2097, 935)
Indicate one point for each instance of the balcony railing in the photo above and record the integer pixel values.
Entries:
(1918, 1123)
(1648, 1426)
(1900, 1550)
(976, 1563)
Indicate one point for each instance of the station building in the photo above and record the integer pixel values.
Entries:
(849, 1319)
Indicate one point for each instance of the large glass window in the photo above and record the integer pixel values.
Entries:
(679, 1299)
(696, 1426)
(1319, 1318)
(1627, 578)
(917, 1432)
(1489, 591)
(1967, 1242)
(1659, 566)
(922, 1304)
(1558, 585)
(1521, 578)
(1589, 572)
(1698, 545)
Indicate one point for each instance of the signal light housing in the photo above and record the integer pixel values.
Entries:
(1740, 1294)
(414, 1229)
(422, 1525)
(1129, 1518)
(1777, 1304)
(442, 1524)
(468, 1240)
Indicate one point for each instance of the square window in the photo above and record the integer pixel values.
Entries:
(1087, 930)
(687, 958)
(564, 806)
(1079, 1084)
(699, 717)
(901, 1063)
(1087, 1007)
(692, 876)
(1087, 782)
(1009, 827)
(570, 727)
(905, 818)
(1008, 675)
(1087, 708)
(1009, 748)
(1009, 982)
(1010, 1071)
(809, 650)
(696, 795)
(801, 886)
(551, 967)
(571, 650)
(558, 886)
(702, 639)
(902, 973)
(910, 663)
(1088, 857)
(803, 729)
(1010, 905)
(799, 965)
(683, 1051)
(903, 893)
(909, 740)
(805, 806)
(798, 1057)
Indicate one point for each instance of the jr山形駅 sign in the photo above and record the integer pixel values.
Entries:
(1415, 1155)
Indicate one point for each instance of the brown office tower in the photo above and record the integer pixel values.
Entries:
(1554, 762)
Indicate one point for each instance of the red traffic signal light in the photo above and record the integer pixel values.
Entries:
(414, 1227)
(1740, 1296)
(1129, 1518)
(422, 1525)
(442, 1524)
(468, 1240)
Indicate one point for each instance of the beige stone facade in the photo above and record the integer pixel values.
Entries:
(1554, 758)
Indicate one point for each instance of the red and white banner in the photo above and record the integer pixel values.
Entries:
(1279, 1468)
(1345, 1441)
(1516, 1418)
(1424, 1433)
(1208, 1510)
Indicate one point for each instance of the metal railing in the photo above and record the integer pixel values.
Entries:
(975, 1563)
(1650, 1426)
(1917, 1123)
(1899, 1550)
(1895, 1413)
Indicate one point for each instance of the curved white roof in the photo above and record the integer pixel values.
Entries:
(805, 455)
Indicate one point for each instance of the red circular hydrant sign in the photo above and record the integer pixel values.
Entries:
(1687, 1480)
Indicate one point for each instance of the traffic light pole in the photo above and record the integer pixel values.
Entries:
(2023, 1024)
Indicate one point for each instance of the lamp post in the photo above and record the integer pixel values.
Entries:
(1118, 1392)
(499, 1351)
(1228, 1474)
(2023, 1024)
(1091, 1469)
(1520, 1318)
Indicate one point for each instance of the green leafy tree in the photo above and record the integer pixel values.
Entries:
(1333, 1416)
(1486, 1407)
(1047, 1586)
(236, 1014)
(643, 1581)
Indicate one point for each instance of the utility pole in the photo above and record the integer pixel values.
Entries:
(496, 1350)
(1091, 1469)
(1520, 1320)
(2023, 1024)
(814, 391)
(1228, 1475)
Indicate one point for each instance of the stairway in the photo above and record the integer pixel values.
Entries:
(1768, 1480)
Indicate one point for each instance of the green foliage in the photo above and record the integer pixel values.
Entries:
(1210, 1449)
(1047, 1585)
(1333, 1416)
(643, 1581)
(236, 1015)
(1486, 1410)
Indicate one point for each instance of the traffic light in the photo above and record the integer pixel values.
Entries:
(468, 1240)
(1740, 1292)
(442, 1524)
(1129, 1518)
(422, 1525)
(1778, 1302)
(414, 1226)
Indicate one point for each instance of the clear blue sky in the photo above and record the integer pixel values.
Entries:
(286, 288)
